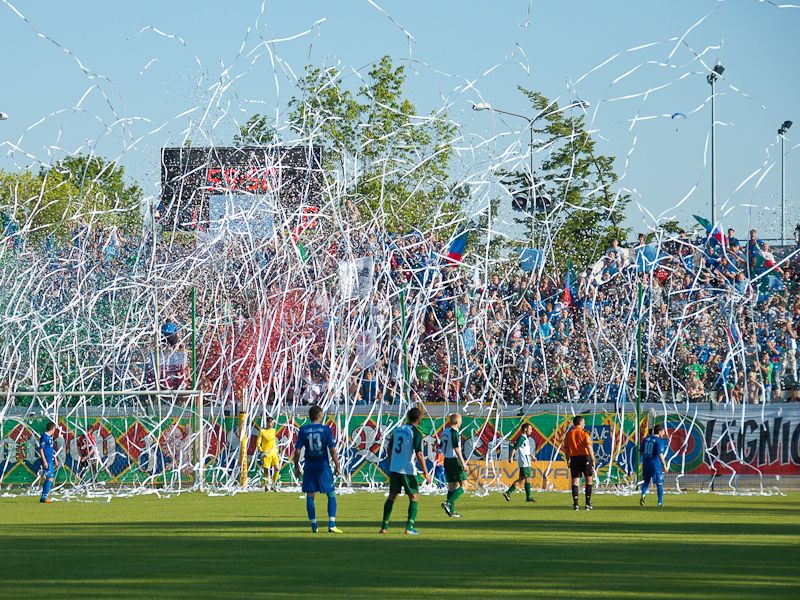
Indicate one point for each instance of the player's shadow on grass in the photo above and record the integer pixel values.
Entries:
(529, 523)
(618, 527)
(226, 559)
(790, 508)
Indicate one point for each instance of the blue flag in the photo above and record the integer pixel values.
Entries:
(531, 259)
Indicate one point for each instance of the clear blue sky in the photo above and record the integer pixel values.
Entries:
(148, 80)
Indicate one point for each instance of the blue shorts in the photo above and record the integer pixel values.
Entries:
(318, 482)
(652, 472)
(49, 473)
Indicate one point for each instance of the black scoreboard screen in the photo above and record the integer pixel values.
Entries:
(190, 177)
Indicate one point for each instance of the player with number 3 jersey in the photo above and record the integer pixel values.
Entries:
(405, 444)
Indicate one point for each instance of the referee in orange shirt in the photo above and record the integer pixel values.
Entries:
(580, 456)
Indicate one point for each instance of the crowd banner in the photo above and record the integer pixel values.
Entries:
(137, 451)
(128, 451)
(745, 440)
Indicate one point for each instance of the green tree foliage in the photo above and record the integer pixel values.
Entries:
(76, 188)
(401, 157)
(257, 131)
(672, 227)
(37, 204)
(583, 212)
(326, 114)
(104, 196)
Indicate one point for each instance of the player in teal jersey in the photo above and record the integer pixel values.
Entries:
(454, 464)
(405, 444)
(524, 450)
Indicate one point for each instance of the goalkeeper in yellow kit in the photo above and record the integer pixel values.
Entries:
(270, 459)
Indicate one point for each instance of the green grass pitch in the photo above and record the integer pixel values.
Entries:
(259, 545)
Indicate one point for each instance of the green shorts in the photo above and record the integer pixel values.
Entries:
(453, 471)
(400, 481)
(524, 472)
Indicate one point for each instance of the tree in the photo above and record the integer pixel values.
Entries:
(326, 114)
(257, 131)
(78, 187)
(582, 212)
(670, 228)
(487, 235)
(406, 155)
(402, 157)
(38, 204)
(104, 194)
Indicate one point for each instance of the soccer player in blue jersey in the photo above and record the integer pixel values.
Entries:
(654, 447)
(317, 441)
(405, 445)
(47, 453)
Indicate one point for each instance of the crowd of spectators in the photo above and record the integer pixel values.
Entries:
(710, 319)
(388, 318)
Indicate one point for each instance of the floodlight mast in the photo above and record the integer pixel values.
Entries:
(531, 120)
(782, 132)
(712, 79)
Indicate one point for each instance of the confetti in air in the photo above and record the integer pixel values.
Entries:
(333, 241)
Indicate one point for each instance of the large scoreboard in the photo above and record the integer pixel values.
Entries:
(200, 184)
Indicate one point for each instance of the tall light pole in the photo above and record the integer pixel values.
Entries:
(782, 132)
(712, 79)
(530, 121)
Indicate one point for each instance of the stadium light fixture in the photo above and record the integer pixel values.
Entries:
(715, 73)
(3, 116)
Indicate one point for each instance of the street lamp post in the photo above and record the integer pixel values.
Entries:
(712, 79)
(530, 121)
(782, 132)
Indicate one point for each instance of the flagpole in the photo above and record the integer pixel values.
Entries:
(199, 398)
(194, 338)
(638, 375)
(406, 383)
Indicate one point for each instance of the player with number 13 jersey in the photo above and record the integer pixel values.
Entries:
(316, 442)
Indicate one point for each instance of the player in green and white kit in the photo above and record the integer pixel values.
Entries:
(454, 471)
(524, 450)
(405, 444)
